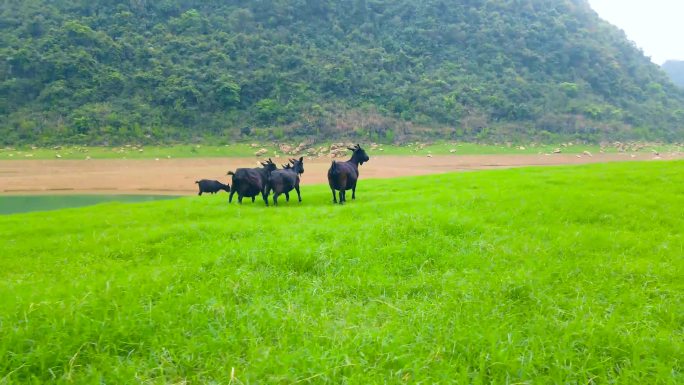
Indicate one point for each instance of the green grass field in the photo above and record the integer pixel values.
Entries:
(245, 150)
(563, 275)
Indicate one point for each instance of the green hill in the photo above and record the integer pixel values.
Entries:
(675, 69)
(101, 71)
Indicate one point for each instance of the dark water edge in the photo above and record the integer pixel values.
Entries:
(14, 204)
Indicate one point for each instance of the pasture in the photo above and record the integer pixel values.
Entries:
(82, 152)
(529, 275)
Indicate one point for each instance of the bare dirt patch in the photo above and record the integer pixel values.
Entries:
(177, 176)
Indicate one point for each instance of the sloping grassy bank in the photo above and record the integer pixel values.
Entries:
(246, 150)
(536, 275)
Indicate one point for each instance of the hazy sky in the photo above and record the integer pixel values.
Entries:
(656, 26)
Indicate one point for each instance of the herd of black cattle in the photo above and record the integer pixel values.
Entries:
(250, 182)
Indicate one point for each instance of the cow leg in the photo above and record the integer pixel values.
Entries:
(239, 198)
(354, 191)
(343, 197)
(253, 198)
(230, 197)
(299, 195)
(287, 197)
(275, 198)
(199, 193)
(334, 196)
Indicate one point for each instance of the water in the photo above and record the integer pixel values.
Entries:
(13, 204)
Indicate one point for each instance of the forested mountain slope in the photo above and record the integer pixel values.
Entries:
(103, 71)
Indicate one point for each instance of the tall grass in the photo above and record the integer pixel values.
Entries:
(536, 275)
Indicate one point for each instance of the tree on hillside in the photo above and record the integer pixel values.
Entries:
(102, 71)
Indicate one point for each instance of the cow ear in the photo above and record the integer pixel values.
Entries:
(301, 158)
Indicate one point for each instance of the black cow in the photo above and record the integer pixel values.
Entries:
(211, 186)
(342, 176)
(283, 181)
(250, 182)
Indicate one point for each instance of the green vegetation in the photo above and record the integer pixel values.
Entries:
(245, 150)
(106, 72)
(129, 152)
(536, 275)
(11, 204)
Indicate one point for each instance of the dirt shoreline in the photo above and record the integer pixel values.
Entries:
(177, 176)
